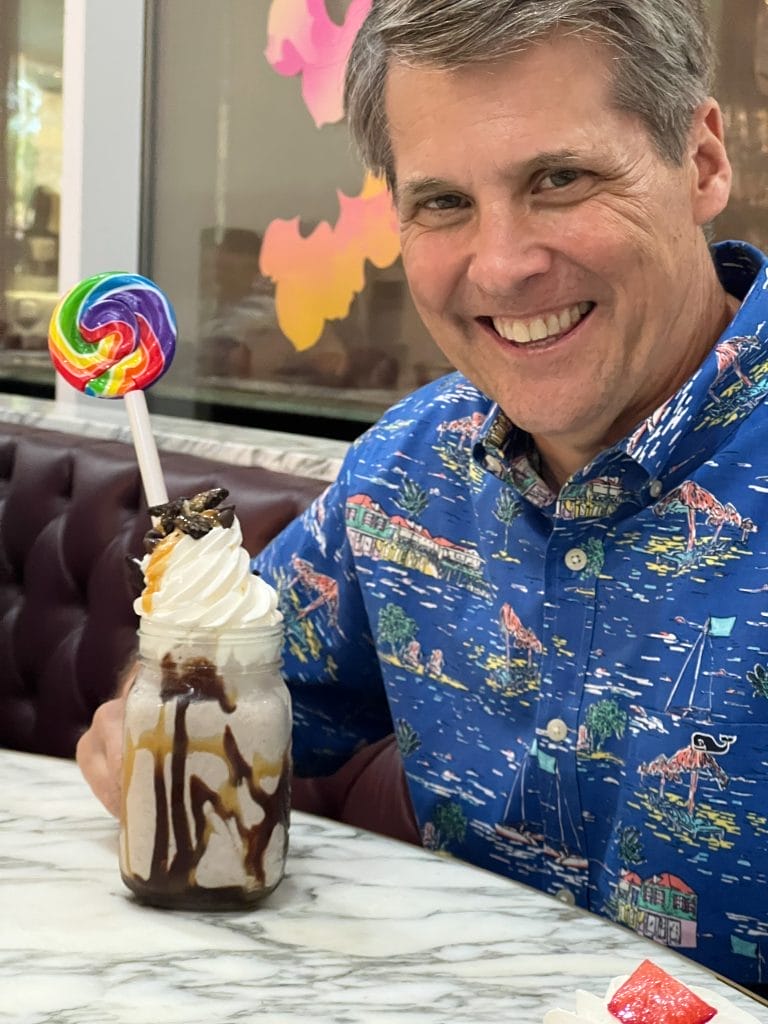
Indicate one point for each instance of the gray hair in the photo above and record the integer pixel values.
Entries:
(663, 71)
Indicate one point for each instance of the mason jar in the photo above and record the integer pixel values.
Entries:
(206, 768)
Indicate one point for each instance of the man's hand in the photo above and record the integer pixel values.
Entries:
(100, 753)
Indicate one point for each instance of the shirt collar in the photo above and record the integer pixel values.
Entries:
(509, 453)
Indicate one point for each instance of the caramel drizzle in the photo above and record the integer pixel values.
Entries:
(158, 563)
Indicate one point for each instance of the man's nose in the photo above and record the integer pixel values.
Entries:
(509, 248)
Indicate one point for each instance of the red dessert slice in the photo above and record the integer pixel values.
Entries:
(651, 996)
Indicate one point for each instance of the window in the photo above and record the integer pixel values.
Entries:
(30, 139)
(742, 89)
(243, 162)
(246, 160)
(289, 304)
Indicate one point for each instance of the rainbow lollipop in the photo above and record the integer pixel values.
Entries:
(113, 335)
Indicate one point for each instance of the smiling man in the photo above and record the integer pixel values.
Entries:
(555, 256)
(546, 574)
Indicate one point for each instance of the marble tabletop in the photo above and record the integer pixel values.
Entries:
(362, 929)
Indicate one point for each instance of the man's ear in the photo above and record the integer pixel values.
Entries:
(711, 169)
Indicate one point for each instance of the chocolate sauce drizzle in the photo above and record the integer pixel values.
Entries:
(173, 884)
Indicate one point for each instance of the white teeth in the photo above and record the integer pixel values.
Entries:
(539, 328)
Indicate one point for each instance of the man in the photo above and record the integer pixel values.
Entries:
(550, 581)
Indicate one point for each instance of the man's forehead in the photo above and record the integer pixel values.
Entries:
(557, 110)
(595, 51)
(551, 72)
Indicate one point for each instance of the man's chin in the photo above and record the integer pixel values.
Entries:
(550, 423)
(553, 430)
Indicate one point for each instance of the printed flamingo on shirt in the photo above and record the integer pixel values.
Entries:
(325, 587)
(522, 637)
(728, 354)
(691, 498)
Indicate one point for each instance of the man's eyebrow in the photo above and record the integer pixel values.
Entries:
(556, 158)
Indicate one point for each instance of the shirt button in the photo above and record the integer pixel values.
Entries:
(557, 730)
(655, 488)
(566, 896)
(576, 559)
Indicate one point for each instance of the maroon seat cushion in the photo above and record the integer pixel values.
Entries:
(71, 510)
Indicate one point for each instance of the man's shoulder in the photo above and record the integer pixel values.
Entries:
(413, 431)
(414, 427)
(424, 413)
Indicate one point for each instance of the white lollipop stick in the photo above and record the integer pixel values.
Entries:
(146, 449)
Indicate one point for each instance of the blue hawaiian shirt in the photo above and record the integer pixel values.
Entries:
(578, 682)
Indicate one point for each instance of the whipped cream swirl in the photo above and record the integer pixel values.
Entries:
(205, 581)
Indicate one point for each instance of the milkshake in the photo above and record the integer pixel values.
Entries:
(206, 762)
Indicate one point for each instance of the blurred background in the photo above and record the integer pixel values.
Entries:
(280, 258)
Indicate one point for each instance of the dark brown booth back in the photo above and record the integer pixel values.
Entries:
(71, 510)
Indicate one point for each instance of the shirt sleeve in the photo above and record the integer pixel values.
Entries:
(330, 663)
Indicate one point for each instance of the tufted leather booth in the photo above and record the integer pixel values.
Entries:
(71, 511)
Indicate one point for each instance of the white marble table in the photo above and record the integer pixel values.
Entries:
(363, 929)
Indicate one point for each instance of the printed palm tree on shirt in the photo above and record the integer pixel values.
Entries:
(448, 825)
(408, 740)
(758, 677)
(631, 845)
(605, 718)
(506, 510)
(412, 498)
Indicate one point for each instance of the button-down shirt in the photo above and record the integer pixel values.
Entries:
(578, 682)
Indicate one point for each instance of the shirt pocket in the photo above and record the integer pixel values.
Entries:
(695, 786)
(678, 821)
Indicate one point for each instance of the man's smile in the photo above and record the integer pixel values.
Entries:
(542, 328)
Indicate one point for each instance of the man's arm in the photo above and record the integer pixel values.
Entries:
(330, 660)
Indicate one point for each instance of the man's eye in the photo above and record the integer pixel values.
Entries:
(445, 202)
(559, 179)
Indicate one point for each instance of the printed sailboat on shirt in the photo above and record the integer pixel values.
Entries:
(528, 833)
(696, 700)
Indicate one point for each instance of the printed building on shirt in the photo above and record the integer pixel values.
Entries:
(662, 907)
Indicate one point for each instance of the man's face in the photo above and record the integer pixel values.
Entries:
(556, 259)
